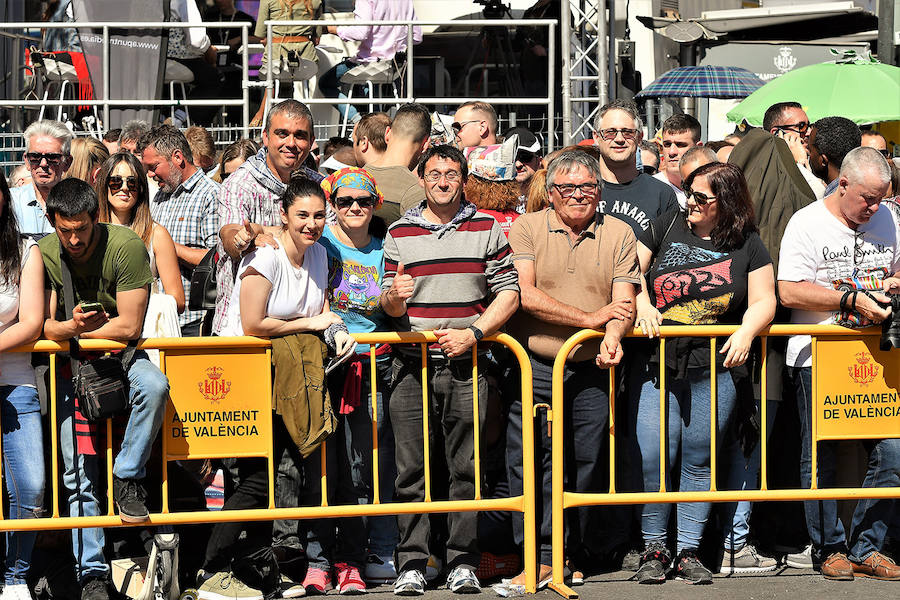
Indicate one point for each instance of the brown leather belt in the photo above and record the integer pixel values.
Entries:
(290, 39)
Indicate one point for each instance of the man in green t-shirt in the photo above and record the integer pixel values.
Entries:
(109, 267)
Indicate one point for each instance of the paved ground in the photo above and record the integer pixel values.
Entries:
(792, 584)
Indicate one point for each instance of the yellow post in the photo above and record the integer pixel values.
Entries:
(109, 467)
(763, 433)
(813, 438)
(373, 394)
(268, 415)
(54, 439)
(713, 417)
(323, 478)
(477, 420)
(663, 455)
(165, 447)
(612, 430)
(425, 428)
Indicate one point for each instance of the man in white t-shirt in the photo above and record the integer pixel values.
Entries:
(839, 257)
(680, 133)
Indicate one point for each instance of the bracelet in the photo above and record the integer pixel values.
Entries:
(843, 303)
(853, 307)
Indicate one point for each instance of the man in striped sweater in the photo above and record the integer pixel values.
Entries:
(449, 269)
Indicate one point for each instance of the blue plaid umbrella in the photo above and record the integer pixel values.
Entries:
(703, 82)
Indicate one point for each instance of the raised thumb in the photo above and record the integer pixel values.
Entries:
(399, 269)
(248, 227)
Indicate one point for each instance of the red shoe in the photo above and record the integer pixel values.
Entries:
(316, 581)
(349, 580)
(494, 565)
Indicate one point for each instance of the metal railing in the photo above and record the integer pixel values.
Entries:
(210, 351)
(563, 499)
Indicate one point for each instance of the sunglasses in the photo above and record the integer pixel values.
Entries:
(524, 156)
(52, 158)
(115, 183)
(457, 126)
(611, 133)
(700, 198)
(800, 127)
(649, 169)
(344, 202)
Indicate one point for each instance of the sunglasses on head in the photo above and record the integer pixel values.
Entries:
(52, 158)
(116, 181)
(344, 202)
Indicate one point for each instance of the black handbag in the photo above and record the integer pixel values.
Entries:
(203, 283)
(101, 384)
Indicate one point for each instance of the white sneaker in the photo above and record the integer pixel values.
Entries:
(380, 569)
(462, 580)
(800, 560)
(18, 591)
(410, 583)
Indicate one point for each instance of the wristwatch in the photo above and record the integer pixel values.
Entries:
(477, 333)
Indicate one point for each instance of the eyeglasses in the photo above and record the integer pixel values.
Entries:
(435, 176)
(650, 169)
(115, 183)
(458, 125)
(524, 156)
(52, 158)
(567, 190)
(344, 202)
(699, 197)
(611, 133)
(800, 127)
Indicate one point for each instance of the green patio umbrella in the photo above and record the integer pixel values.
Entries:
(864, 91)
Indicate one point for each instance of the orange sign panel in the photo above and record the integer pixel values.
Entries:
(221, 403)
(857, 389)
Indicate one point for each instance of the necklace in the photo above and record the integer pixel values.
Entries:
(223, 32)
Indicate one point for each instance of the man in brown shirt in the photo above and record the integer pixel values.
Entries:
(577, 269)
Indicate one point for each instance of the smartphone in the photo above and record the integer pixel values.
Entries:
(91, 307)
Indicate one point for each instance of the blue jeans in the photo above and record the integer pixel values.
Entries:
(586, 414)
(148, 392)
(330, 85)
(743, 474)
(872, 517)
(23, 467)
(688, 427)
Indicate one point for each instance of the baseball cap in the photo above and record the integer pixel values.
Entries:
(527, 140)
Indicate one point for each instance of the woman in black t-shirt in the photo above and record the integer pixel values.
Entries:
(703, 266)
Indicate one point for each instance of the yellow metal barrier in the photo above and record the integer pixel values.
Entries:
(832, 350)
(209, 377)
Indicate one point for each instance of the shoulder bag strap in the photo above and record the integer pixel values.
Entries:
(69, 299)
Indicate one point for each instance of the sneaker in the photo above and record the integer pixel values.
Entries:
(380, 569)
(462, 580)
(18, 591)
(632, 560)
(497, 565)
(690, 570)
(746, 560)
(800, 560)
(410, 583)
(654, 564)
(316, 581)
(349, 581)
(290, 588)
(95, 588)
(130, 498)
(433, 568)
(225, 586)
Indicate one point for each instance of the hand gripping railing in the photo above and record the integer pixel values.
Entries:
(866, 342)
(241, 360)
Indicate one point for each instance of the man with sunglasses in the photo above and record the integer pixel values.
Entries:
(837, 264)
(628, 194)
(528, 161)
(475, 124)
(185, 205)
(47, 158)
(789, 121)
(873, 139)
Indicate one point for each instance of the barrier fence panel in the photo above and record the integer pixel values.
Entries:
(221, 406)
(855, 393)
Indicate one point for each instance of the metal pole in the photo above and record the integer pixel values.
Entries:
(551, 88)
(409, 62)
(886, 16)
(245, 76)
(611, 50)
(602, 56)
(565, 29)
(106, 76)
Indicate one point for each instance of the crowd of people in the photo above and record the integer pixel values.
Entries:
(466, 240)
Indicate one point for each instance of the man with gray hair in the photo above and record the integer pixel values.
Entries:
(577, 268)
(132, 132)
(186, 205)
(838, 261)
(628, 194)
(47, 146)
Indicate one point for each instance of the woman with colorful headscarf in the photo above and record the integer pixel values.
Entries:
(355, 269)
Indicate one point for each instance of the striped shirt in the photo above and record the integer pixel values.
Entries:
(189, 215)
(456, 267)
